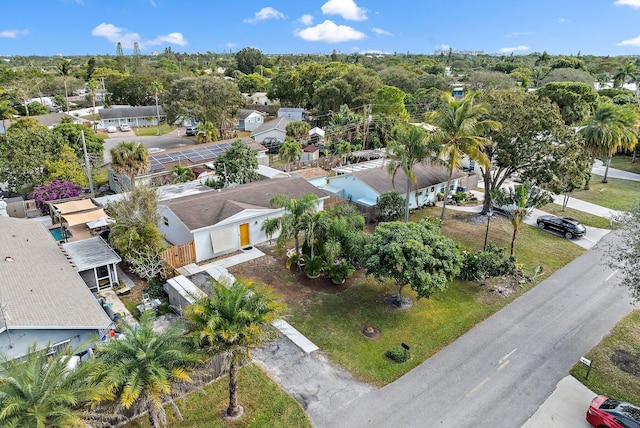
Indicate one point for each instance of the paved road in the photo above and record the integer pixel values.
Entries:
(499, 372)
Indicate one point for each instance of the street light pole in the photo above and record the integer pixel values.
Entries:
(486, 233)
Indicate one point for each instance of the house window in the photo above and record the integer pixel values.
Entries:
(453, 186)
(165, 221)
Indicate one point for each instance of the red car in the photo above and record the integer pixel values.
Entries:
(605, 412)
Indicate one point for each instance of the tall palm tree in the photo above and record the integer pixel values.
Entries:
(232, 320)
(129, 158)
(343, 150)
(293, 221)
(290, 151)
(157, 89)
(39, 391)
(6, 113)
(410, 147)
(93, 86)
(518, 202)
(610, 128)
(627, 72)
(64, 68)
(207, 132)
(460, 126)
(144, 365)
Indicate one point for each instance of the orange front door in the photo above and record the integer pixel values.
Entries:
(244, 235)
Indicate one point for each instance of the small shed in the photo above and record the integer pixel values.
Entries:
(316, 136)
(293, 113)
(95, 261)
(310, 153)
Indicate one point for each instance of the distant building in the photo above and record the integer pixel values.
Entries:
(132, 116)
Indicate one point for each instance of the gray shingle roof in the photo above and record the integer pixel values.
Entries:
(279, 123)
(90, 253)
(130, 112)
(40, 286)
(207, 209)
(426, 176)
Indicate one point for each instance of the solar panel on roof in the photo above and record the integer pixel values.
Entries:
(156, 166)
(162, 159)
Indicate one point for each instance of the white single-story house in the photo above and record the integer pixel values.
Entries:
(220, 222)
(132, 116)
(292, 113)
(363, 182)
(43, 299)
(201, 155)
(275, 129)
(249, 120)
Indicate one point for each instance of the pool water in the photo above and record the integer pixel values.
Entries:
(57, 234)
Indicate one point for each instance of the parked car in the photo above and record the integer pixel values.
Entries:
(605, 412)
(124, 127)
(191, 131)
(569, 227)
(111, 129)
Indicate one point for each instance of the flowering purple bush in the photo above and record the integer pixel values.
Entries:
(56, 189)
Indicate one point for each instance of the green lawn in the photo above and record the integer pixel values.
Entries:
(150, 131)
(583, 217)
(605, 377)
(265, 405)
(624, 163)
(617, 194)
(335, 322)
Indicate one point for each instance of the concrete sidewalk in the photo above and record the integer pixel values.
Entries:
(599, 169)
(566, 407)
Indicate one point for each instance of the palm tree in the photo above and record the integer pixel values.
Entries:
(181, 174)
(157, 89)
(64, 68)
(293, 221)
(39, 391)
(6, 113)
(411, 147)
(459, 128)
(298, 130)
(626, 72)
(518, 202)
(343, 150)
(610, 128)
(290, 151)
(129, 158)
(231, 320)
(207, 132)
(144, 365)
(92, 84)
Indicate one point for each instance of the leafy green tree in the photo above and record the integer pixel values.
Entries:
(628, 72)
(249, 58)
(410, 147)
(67, 167)
(290, 151)
(568, 75)
(39, 391)
(135, 222)
(252, 83)
(610, 128)
(144, 365)
(526, 142)
(298, 130)
(414, 254)
(181, 174)
(6, 113)
(518, 202)
(71, 132)
(400, 77)
(294, 219)
(231, 320)
(134, 90)
(130, 159)
(391, 206)
(344, 150)
(486, 81)
(207, 132)
(460, 130)
(575, 100)
(389, 101)
(623, 253)
(238, 164)
(34, 108)
(344, 126)
(205, 99)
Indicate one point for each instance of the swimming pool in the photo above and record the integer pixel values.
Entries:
(57, 234)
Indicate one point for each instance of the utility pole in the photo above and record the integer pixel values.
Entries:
(366, 127)
(87, 164)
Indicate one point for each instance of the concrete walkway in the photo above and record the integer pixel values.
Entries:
(566, 407)
(599, 168)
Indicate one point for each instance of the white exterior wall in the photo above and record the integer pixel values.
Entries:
(253, 121)
(273, 133)
(176, 232)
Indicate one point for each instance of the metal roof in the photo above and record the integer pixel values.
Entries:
(90, 253)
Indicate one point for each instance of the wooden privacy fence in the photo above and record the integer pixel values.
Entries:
(180, 255)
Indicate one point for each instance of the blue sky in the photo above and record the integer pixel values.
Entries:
(77, 27)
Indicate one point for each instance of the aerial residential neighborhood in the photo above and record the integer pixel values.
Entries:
(334, 213)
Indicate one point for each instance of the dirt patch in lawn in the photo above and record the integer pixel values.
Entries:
(291, 285)
(626, 361)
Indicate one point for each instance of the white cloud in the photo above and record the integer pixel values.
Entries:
(266, 13)
(514, 49)
(633, 3)
(329, 32)
(306, 19)
(128, 38)
(443, 47)
(152, 3)
(13, 34)
(630, 42)
(231, 45)
(519, 33)
(381, 32)
(563, 21)
(348, 9)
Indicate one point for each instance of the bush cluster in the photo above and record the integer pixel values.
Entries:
(398, 354)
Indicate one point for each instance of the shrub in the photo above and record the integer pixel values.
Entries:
(398, 354)
(391, 206)
(460, 196)
(155, 288)
(56, 189)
